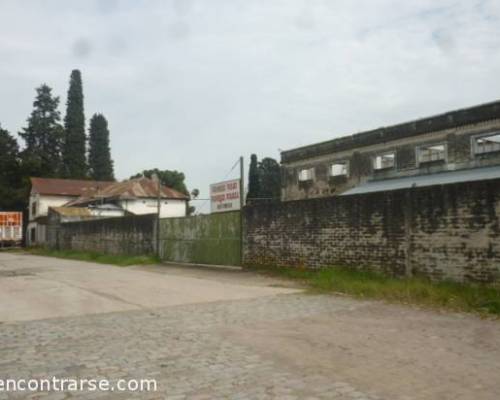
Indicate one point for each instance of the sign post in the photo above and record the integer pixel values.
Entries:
(242, 203)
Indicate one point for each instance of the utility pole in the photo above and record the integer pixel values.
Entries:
(242, 183)
(158, 209)
(242, 203)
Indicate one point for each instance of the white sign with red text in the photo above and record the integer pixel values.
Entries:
(225, 196)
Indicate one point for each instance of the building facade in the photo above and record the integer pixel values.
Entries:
(138, 197)
(101, 199)
(465, 139)
(46, 193)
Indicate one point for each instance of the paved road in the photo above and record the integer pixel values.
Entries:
(33, 287)
(259, 342)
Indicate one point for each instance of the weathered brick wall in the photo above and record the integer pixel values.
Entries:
(134, 235)
(455, 232)
(442, 232)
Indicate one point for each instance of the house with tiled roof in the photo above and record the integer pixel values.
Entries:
(101, 199)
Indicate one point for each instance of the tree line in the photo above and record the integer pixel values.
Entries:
(54, 148)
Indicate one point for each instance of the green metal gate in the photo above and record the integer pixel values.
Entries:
(202, 239)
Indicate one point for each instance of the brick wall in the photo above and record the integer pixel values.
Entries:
(442, 232)
(134, 235)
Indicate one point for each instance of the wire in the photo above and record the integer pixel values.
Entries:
(231, 170)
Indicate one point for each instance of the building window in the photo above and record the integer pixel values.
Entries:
(384, 161)
(338, 169)
(430, 153)
(33, 209)
(33, 235)
(306, 175)
(487, 144)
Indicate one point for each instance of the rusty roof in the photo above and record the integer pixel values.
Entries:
(131, 189)
(67, 187)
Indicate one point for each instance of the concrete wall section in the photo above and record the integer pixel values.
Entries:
(134, 235)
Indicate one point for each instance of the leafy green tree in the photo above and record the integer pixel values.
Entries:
(100, 162)
(253, 180)
(172, 179)
(13, 186)
(74, 161)
(270, 179)
(43, 136)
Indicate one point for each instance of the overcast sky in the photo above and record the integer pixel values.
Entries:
(193, 84)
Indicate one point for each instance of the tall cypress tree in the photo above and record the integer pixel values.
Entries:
(253, 179)
(100, 162)
(43, 136)
(74, 161)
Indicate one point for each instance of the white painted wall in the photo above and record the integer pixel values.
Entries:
(168, 208)
(40, 234)
(44, 202)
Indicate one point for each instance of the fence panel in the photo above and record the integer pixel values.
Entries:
(202, 239)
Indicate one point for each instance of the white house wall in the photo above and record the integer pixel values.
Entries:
(44, 202)
(169, 208)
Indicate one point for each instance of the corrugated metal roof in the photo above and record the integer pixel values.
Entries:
(131, 189)
(67, 187)
(442, 178)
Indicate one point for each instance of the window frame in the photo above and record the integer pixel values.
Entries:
(474, 146)
(374, 161)
(339, 162)
(310, 179)
(418, 151)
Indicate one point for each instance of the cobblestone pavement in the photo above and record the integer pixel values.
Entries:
(196, 352)
(286, 346)
(179, 346)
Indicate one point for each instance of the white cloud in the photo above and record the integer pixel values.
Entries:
(191, 85)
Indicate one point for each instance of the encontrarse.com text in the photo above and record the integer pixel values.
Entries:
(77, 385)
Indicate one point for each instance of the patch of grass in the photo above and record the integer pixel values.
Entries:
(120, 260)
(480, 298)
